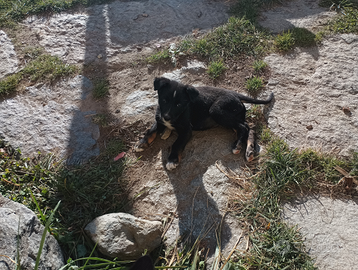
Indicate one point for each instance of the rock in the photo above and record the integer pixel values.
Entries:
(48, 118)
(106, 29)
(298, 13)
(124, 236)
(21, 231)
(330, 229)
(8, 58)
(314, 86)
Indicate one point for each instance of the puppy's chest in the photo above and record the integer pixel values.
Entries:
(168, 124)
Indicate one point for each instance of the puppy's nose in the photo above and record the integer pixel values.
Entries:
(166, 117)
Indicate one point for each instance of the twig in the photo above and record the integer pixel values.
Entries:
(232, 251)
(3, 179)
(9, 259)
(346, 174)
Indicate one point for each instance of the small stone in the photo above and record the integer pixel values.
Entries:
(145, 15)
(309, 127)
(347, 111)
(99, 56)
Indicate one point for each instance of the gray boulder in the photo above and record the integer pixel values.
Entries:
(21, 232)
(124, 236)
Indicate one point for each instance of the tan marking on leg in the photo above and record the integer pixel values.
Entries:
(152, 137)
(166, 134)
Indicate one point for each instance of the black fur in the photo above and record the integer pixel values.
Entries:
(143, 263)
(185, 108)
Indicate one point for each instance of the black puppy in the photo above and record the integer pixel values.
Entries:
(184, 108)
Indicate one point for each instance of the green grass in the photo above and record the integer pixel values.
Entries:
(303, 37)
(101, 89)
(259, 65)
(341, 3)
(158, 57)
(284, 42)
(41, 68)
(15, 10)
(215, 69)
(47, 67)
(284, 175)
(345, 23)
(236, 37)
(85, 191)
(9, 84)
(254, 86)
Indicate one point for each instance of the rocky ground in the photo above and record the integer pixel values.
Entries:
(315, 106)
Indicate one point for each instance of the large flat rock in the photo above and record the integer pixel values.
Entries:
(316, 96)
(330, 228)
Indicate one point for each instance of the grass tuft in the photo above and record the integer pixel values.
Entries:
(40, 68)
(14, 10)
(303, 37)
(254, 85)
(259, 65)
(9, 84)
(47, 67)
(215, 69)
(101, 89)
(284, 42)
(159, 57)
(346, 22)
(236, 37)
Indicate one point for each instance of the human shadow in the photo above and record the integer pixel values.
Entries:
(118, 27)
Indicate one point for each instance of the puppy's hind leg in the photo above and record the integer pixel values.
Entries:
(242, 131)
(250, 148)
(149, 137)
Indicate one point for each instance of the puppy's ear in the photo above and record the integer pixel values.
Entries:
(143, 263)
(160, 82)
(192, 92)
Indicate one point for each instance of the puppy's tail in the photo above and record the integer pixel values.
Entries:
(246, 99)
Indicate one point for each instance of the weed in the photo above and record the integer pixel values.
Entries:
(339, 3)
(41, 68)
(215, 69)
(259, 65)
(86, 191)
(236, 37)
(284, 42)
(346, 22)
(9, 84)
(319, 36)
(101, 120)
(13, 10)
(31, 52)
(101, 89)
(161, 56)
(303, 37)
(255, 114)
(47, 67)
(254, 85)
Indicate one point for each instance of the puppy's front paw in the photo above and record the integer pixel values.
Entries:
(166, 134)
(171, 166)
(236, 150)
(140, 146)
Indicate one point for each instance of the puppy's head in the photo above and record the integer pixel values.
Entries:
(173, 97)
